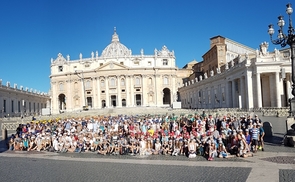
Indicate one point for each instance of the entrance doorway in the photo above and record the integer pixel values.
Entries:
(114, 100)
(138, 99)
(89, 101)
(124, 102)
(62, 102)
(166, 96)
(103, 103)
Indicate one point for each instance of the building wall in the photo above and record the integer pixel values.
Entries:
(16, 102)
(252, 81)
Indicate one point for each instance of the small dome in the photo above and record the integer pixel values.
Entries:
(115, 48)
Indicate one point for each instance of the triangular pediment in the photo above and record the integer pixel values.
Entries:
(111, 66)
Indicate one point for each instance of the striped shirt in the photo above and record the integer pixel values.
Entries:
(254, 133)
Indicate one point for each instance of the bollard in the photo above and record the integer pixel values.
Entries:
(4, 134)
(267, 126)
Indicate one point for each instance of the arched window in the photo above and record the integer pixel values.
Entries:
(166, 80)
(61, 86)
(87, 84)
(150, 81)
(137, 81)
(76, 85)
(122, 82)
(102, 84)
(112, 82)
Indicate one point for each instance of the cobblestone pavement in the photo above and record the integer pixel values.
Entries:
(281, 160)
(287, 175)
(41, 170)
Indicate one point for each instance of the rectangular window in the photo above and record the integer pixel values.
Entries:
(123, 90)
(165, 62)
(4, 105)
(60, 68)
(103, 91)
(18, 106)
(223, 95)
(12, 106)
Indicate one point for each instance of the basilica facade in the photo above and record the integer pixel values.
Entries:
(115, 78)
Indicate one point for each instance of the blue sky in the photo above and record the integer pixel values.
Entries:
(34, 31)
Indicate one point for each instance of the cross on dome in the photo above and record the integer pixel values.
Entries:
(115, 37)
(115, 48)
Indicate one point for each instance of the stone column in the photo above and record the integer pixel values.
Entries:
(233, 90)
(144, 91)
(174, 89)
(249, 90)
(242, 86)
(98, 99)
(258, 90)
(107, 91)
(119, 98)
(83, 92)
(128, 91)
(227, 95)
(132, 91)
(94, 93)
(278, 86)
(69, 97)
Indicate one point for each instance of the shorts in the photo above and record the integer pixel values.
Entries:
(254, 142)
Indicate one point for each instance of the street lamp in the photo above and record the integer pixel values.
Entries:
(283, 40)
(82, 78)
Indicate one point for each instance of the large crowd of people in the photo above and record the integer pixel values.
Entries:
(192, 135)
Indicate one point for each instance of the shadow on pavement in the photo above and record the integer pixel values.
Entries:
(3, 146)
(274, 140)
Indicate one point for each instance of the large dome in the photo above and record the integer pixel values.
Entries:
(115, 48)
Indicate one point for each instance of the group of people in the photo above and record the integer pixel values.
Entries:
(192, 135)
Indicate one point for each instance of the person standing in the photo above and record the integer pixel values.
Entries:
(261, 136)
(254, 137)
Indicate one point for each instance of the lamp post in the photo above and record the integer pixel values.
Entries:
(82, 78)
(283, 40)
